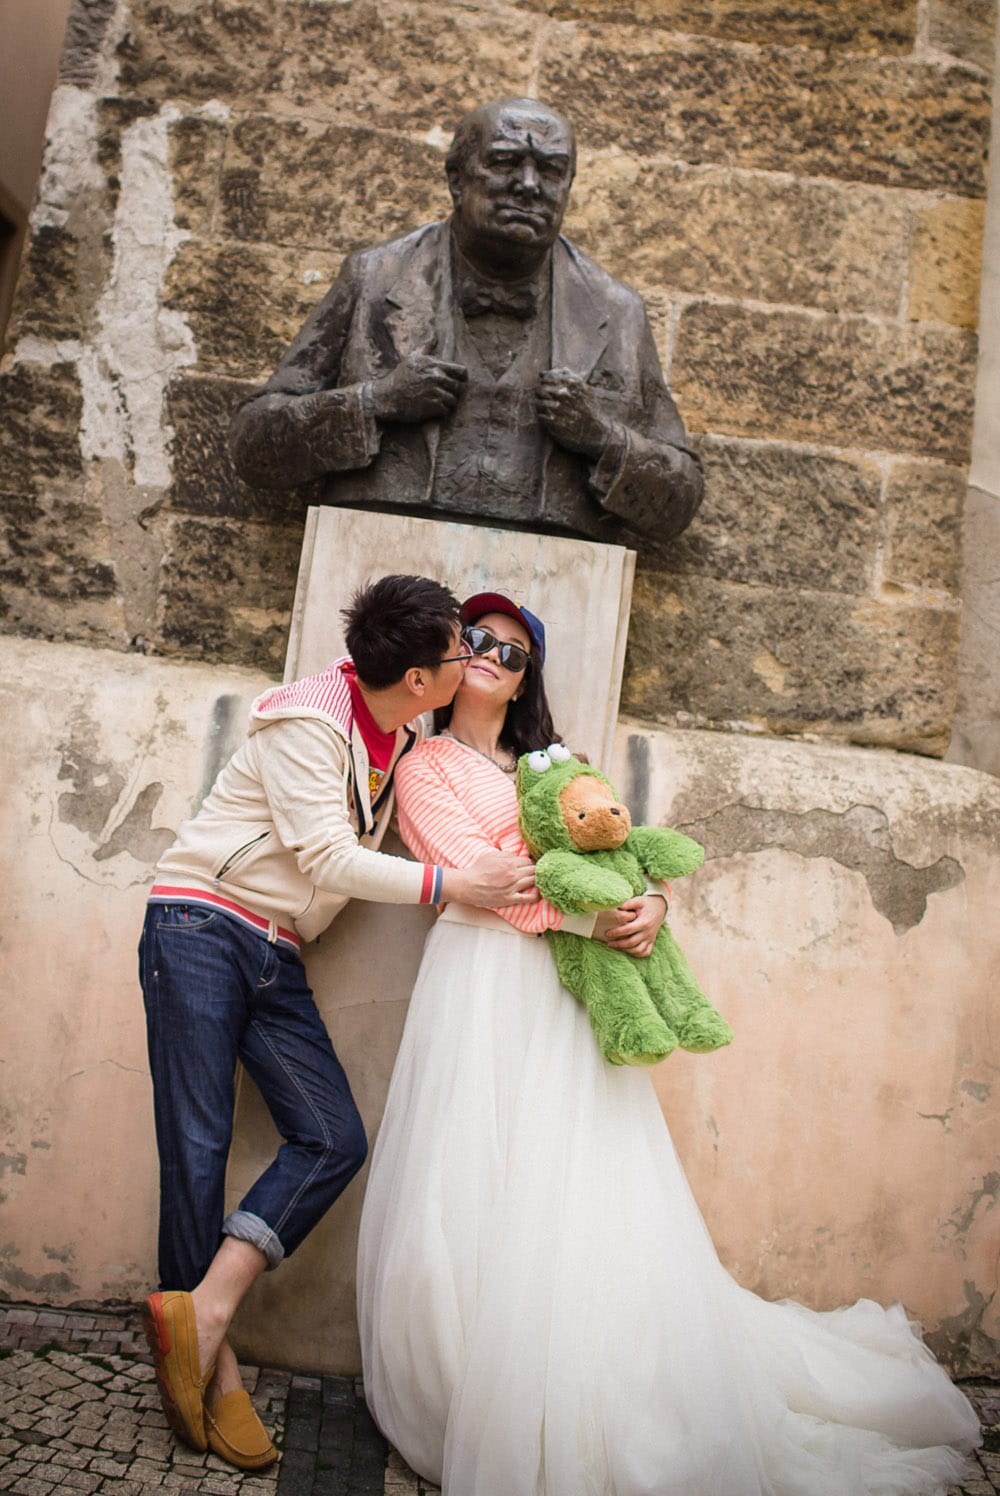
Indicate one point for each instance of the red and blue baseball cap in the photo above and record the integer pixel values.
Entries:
(495, 602)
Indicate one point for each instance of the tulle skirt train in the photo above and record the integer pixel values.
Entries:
(542, 1310)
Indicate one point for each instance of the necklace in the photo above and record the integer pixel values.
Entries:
(504, 767)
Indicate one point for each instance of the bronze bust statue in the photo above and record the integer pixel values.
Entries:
(482, 367)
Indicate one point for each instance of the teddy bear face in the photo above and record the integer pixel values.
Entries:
(549, 822)
(593, 816)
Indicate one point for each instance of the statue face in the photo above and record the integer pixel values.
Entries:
(514, 190)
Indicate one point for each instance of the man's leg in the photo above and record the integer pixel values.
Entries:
(194, 970)
(208, 999)
(193, 985)
(287, 1052)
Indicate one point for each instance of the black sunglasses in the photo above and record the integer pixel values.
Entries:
(511, 656)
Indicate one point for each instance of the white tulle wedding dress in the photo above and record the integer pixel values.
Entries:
(542, 1310)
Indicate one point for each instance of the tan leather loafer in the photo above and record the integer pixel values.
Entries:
(236, 1434)
(169, 1322)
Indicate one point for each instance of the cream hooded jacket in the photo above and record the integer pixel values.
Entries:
(289, 830)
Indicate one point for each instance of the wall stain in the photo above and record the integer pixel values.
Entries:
(961, 1343)
(943, 1117)
(977, 1089)
(101, 805)
(60, 1254)
(637, 794)
(41, 1283)
(960, 1221)
(859, 839)
(224, 737)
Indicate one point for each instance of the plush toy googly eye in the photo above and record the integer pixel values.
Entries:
(539, 761)
(559, 753)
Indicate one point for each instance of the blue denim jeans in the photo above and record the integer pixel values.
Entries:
(215, 992)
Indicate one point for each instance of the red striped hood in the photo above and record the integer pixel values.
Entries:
(326, 695)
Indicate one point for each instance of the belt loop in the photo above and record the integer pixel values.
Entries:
(272, 931)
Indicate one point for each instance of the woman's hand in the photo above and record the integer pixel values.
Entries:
(633, 926)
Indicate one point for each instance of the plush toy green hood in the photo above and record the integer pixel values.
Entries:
(541, 778)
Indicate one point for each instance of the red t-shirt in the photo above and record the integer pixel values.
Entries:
(380, 745)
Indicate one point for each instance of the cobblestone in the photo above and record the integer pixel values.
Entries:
(79, 1412)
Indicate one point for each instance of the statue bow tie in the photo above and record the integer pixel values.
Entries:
(508, 301)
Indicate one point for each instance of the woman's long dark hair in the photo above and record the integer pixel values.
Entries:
(528, 724)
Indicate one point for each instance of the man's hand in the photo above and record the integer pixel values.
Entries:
(495, 881)
(569, 412)
(419, 388)
(633, 926)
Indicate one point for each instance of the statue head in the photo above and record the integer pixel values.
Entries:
(510, 168)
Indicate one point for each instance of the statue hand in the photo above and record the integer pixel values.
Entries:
(569, 412)
(419, 388)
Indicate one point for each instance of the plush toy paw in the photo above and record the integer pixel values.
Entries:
(703, 1031)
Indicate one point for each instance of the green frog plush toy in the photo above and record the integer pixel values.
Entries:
(589, 856)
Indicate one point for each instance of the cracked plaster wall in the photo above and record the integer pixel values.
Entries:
(844, 1145)
(842, 919)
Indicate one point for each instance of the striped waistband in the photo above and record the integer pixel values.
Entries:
(161, 894)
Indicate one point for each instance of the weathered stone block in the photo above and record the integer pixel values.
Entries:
(227, 590)
(946, 261)
(47, 301)
(965, 28)
(245, 303)
(55, 579)
(291, 182)
(849, 382)
(41, 419)
(783, 661)
(857, 119)
(53, 543)
(887, 26)
(781, 517)
(743, 235)
(86, 28)
(196, 151)
(182, 49)
(350, 62)
(924, 504)
(205, 481)
(411, 64)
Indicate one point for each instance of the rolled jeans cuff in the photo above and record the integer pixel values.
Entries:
(243, 1225)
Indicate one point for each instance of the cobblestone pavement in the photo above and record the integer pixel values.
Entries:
(79, 1412)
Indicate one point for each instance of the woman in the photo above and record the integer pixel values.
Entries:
(542, 1311)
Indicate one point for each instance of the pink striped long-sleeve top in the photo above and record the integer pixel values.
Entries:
(453, 806)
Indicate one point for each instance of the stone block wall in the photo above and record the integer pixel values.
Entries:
(796, 190)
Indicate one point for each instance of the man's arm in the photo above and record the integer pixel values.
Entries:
(303, 767)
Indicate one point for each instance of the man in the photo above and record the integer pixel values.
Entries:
(288, 833)
(482, 366)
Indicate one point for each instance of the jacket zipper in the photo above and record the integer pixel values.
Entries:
(224, 869)
(362, 825)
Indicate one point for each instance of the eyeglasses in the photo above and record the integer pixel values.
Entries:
(463, 658)
(511, 656)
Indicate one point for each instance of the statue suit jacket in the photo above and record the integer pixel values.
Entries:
(310, 419)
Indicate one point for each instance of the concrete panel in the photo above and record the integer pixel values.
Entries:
(362, 970)
(581, 591)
